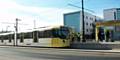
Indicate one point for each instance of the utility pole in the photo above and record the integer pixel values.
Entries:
(34, 24)
(15, 42)
(83, 23)
(16, 31)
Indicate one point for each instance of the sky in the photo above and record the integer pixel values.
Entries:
(45, 12)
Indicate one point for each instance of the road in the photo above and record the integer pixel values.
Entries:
(27, 53)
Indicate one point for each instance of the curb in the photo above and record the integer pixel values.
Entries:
(101, 51)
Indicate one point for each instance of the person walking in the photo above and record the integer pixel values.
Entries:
(107, 36)
(101, 36)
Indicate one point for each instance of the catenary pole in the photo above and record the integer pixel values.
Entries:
(83, 23)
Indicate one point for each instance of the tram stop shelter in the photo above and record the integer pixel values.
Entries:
(105, 24)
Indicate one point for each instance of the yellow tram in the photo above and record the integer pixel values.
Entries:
(41, 37)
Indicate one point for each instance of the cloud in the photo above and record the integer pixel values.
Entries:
(10, 10)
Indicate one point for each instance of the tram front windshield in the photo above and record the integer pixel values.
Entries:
(61, 33)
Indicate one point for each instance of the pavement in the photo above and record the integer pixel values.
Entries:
(68, 49)
(109, 51)
(31, 53)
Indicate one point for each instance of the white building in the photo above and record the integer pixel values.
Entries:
(113, 14)
(74, 19)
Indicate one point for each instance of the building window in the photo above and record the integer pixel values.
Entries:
(90, 24)
(87, 30)
(91, 18)
(86, 23)
(86, 17)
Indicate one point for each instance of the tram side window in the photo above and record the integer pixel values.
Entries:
(45, 34)
(6, 37)
(1, 38)
(22, 37)
(28, 35)
(18, 36)
(55, 32)
(35, 36)
(10, 38)
(41, 34)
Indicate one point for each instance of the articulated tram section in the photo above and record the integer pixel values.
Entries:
(64, 36)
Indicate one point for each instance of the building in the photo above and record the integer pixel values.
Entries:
(74, 20)
(113, 14)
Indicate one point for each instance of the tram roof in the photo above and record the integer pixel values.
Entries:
(40, 29)
(7, 33)
(31, 30)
